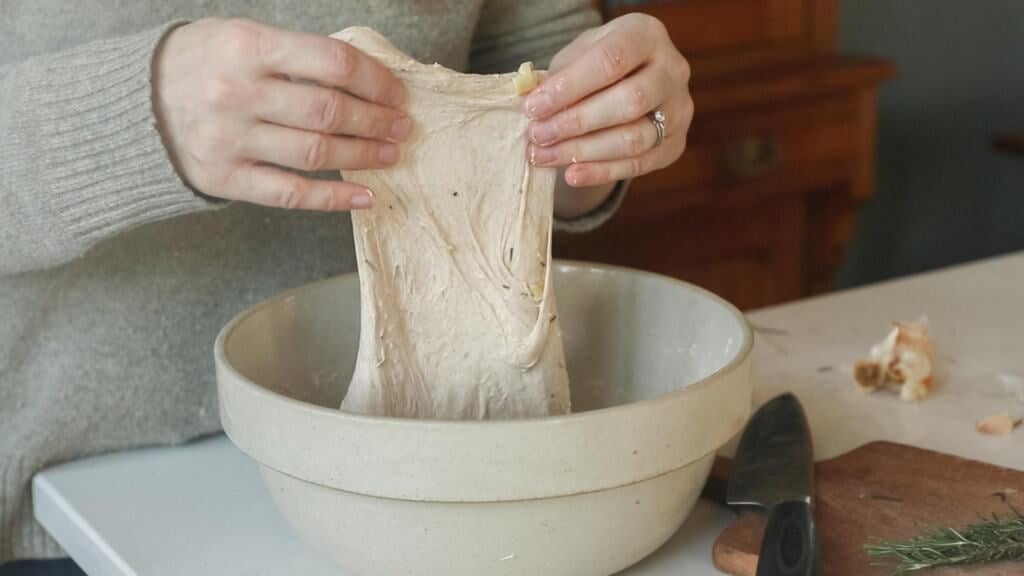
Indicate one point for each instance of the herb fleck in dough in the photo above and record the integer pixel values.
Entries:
(458, 311)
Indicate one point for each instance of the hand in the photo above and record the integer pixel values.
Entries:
(590, 113)
(234, 97)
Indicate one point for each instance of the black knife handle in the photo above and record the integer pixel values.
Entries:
(789, 546)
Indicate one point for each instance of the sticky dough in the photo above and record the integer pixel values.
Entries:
(458, 317)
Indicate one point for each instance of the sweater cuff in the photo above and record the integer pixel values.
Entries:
(597, 216)
(21, 536)
(103, 163)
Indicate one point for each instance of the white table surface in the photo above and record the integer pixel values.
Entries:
(202, 509)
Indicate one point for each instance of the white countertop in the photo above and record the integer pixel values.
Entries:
(202, 508)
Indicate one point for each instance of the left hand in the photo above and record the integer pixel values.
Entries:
(590, 113)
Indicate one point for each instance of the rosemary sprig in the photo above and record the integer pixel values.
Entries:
(985, 541)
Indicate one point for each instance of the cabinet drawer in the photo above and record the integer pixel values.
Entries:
(745, 153)
(750, 256)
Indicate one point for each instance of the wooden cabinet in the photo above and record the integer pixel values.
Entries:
(780, 155)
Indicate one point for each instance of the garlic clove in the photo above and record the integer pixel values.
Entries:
(997, 425)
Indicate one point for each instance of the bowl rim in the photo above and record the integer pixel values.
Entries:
(738, 358)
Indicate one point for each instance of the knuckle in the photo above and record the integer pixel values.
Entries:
(647, 23)
(228, 183)
(292, 193)
(380, 126)
(331, 203)
(570, 152)
(635, 18)
(688, 112)
(633, 141)
(238, 38)
(222, 93)
(209, 140)
(611, 61)
(637, 101)
(682, 69)
(666, 159)
(655, 25)
(637, 166)
(570, 123)
(316, 153)
(326, 112)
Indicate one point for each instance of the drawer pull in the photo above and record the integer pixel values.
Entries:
(750, 157)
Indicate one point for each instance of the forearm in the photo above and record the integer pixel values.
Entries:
(573, 202)
(80, 156)
(602, 204)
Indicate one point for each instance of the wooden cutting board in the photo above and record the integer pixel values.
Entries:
(882, 490)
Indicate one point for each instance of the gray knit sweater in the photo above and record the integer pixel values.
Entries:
(114, 277)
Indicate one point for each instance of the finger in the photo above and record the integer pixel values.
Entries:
(623, 141)
(624, 102)
(272, 187)
(575, 49)
(605, 62)
(595, 173)
(328, 61)
(313, 151)
(671, 148)
(329, 111)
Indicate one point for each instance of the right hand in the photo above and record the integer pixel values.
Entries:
(234, 97)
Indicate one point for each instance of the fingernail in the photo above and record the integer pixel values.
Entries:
(388, 154)
(542, 134)
(542, 156)
(576, 176)
(539, 105)
(400, 130)
(362, 200)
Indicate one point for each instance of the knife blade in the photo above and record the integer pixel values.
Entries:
(774, 470)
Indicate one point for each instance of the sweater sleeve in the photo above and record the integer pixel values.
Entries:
(510, 32)
(80, 157)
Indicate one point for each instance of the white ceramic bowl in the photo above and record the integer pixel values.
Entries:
(659, 374)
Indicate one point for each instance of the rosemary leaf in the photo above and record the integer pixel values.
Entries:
(985, 541)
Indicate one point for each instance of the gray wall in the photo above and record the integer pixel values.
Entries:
(944, 195)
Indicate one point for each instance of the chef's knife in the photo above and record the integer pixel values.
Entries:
(774, 470)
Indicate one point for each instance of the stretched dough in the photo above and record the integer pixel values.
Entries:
(458, 312)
